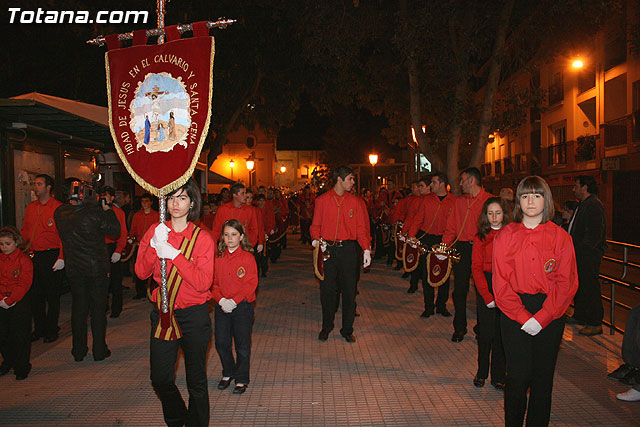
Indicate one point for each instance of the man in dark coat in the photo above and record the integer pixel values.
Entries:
(83, 224)
(588, 230)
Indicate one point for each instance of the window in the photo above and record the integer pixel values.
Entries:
(556, 88)
(251, 141)
(635, 90)
(557, 150)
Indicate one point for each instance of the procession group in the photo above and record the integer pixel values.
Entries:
(523, 265)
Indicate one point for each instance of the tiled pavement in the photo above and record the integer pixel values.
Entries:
(403, 370)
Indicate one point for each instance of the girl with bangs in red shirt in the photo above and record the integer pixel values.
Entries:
(495, 214)
(534, 280)
(234, 291)
(16, 274)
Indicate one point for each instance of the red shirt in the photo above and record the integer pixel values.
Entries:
(260, 220)
(142, 221)
(268, 219)
(400, 213)
(412, 208)
(236, 276)
(207, 220)
(284, 206)
(481, 262)
(16, 275)
(432, 214)
(39, 223)
(122, 239)
(340, 218)
(534, 261)
(456, 221)
(245, 214)
(196, 272)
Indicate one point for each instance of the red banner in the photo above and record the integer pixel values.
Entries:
(160, 108)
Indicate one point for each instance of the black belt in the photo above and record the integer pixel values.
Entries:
(47, 250)
(339, 243)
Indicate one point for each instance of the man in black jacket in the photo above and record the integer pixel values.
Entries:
(83, 224)
(588, 230)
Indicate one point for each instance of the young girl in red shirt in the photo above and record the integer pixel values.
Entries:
(234, 291)
(495, 214)
(16, 274)
(534, 280)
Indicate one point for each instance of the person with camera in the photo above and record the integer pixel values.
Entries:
(83, 224)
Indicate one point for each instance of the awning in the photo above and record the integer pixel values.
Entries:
(215, 178)
(85, 125)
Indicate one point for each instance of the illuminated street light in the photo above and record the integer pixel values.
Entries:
(250, 164)
(577, 63)
(373, 159)
(232, 164)
(283, 169)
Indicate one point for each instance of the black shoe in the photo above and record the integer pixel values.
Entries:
(406, 274)
(323, 335)
(50, 338)
(223, 384)
(240, 389)
(35, 337)
(397, 267)
(357, 314)
(350, 338)
(478, 382)
(427, 313)
(457, 336)
(500, 385)
(412, 289)
(443, 312)
(632, 378)
(114, 315)
(621, 372)
(97, 359)
(20, 377)
(78, 358)
(4, 370)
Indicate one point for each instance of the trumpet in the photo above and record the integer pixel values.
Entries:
(443, 250)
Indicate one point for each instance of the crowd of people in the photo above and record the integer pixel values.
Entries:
(528, 259)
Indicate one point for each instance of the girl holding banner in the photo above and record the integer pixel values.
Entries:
(190, 261)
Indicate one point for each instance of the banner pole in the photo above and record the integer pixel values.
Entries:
(164, 297)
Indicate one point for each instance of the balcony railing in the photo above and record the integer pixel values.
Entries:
(557, 154)
(615, 132)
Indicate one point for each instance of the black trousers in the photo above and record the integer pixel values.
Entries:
(195, 325)
(305, 234)
(141, 284)
(89, 295)
(631, 339)
(462, 273)
(45, 293)
(262, 259)
(340, 277)
(531, 363)
(427, 290)
(588, 300)
(235, 328)
(15, 336)
(490, 347)
(115, 281)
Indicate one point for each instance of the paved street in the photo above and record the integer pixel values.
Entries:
(403, 370)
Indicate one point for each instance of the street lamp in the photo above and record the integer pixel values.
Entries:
(232, 164)
(250, 165)
(373, 159)
(577, 63)
(283, 169)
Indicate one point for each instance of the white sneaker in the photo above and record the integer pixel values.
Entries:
(631, 395)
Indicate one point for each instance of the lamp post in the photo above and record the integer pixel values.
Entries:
(250, 165)
(373, 159)
(232, 164)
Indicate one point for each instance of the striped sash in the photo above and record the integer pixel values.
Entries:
(168, 328)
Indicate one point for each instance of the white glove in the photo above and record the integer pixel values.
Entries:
(272, 231)
(161, 234)
(227, 305)
(441, 257)
(58, 265)
(492, 304)
(315, 243)
(367, 258)
(259, 248)
(532, 327)
(115, 257)
(4, 304)
(165, 250)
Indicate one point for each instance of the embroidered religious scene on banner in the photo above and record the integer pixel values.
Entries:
(159, 112)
